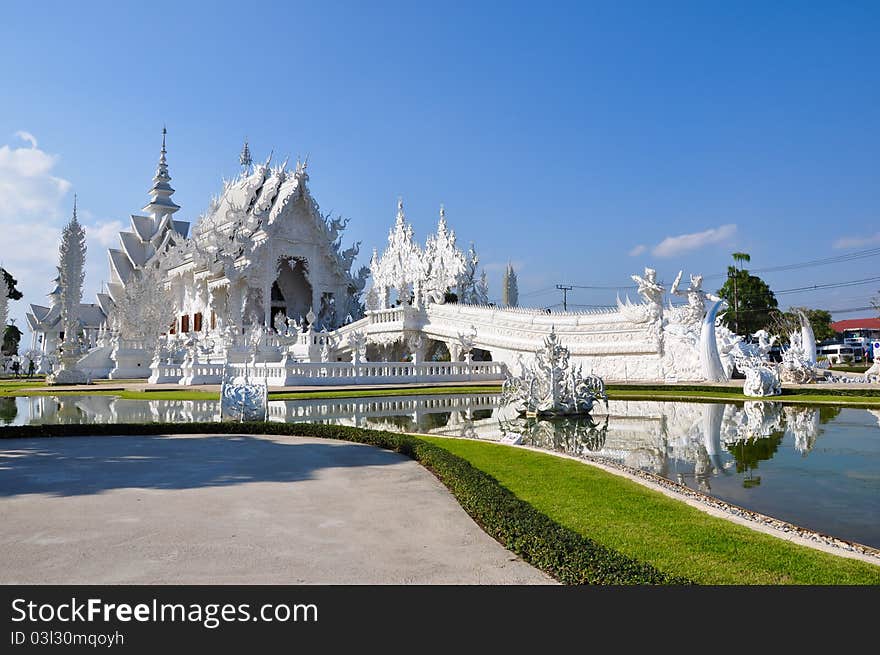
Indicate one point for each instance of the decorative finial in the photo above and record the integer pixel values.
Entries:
(400, 215)
(164, 132)
(442, 212)
(245, 157)
(74, 206)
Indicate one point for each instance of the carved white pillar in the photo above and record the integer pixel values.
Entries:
(267, 304)
(235, 303)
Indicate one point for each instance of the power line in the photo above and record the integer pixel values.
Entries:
(830, 285)
(837, 259)
(538, 292)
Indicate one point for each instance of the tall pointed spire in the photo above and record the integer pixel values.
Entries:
(401, 217)
(441, 226)
(74, 206)
(245, 157)
(160, 194)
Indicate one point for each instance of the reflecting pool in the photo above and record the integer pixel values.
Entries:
(817, 467)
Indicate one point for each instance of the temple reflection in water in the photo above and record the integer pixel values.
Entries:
(643, 434)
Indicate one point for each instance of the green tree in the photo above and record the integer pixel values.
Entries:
(740, 257)
(784, 323)
(14, 294)
(750, 300)
(11, 338)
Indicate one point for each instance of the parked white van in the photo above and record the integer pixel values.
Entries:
(839, 353)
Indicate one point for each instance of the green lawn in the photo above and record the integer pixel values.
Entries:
(651, 527)
(851, 368)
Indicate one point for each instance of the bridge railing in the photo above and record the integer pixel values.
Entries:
(293, 373)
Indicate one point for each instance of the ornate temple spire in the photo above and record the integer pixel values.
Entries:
(245, 157)
(441, 226)
(401, 217)
(160, 194)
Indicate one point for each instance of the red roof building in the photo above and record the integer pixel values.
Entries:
(856, 324)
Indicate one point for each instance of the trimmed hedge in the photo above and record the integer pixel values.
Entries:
(561, 552)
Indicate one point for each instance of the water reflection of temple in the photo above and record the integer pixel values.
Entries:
(110, 409)
(666, 438)
(678, 440)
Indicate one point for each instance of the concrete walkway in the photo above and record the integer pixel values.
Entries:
(225, 509)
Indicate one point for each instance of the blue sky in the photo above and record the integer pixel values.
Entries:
(581, 141)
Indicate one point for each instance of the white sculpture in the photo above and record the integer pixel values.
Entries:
(761, 380)
(327, 347)
(473, 290)
(144, 309)
(466, 342)
(713, 370)
(72, 258)
(553, 387)
(357, 341)
(280, 324)
(808, 339)
(796, 366)
(651, 291)
(695, 310)
(243, 400)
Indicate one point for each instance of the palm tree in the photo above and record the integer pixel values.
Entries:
(740, 257)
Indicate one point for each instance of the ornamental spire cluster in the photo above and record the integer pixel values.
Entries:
(421, 275)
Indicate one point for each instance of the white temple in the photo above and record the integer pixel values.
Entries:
(263, 288)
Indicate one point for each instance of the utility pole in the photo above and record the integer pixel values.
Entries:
(738, 258)
(565, 289)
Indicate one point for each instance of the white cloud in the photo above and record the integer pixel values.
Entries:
(27, 136)
(33, 209)
(638, 250)
(677, 245)
(103, 235)
(28, 189)
(857, 242)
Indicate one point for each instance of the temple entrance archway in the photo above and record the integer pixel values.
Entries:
(292, 291)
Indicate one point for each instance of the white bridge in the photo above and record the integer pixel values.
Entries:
(605, 341)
